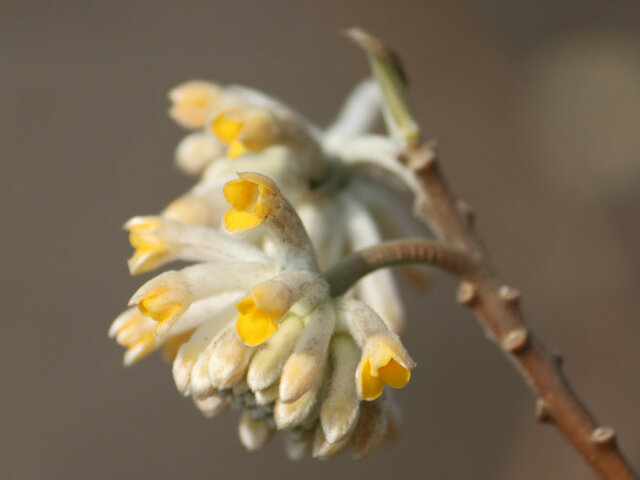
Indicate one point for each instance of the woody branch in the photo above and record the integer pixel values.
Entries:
(495, 304)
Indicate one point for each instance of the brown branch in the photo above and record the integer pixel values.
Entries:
(344, 274)
(495, 304)
(496, 307)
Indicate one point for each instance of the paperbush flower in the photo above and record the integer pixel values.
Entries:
(258, 329)
(326, 174)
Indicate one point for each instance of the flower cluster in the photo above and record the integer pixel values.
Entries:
(257, 327)
(326, 174)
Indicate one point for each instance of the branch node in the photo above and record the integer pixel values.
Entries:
(425, 161)
(516, 340)
(557, 359)
(542, 411)
(509, 295)
(603, 436)
(467, 293)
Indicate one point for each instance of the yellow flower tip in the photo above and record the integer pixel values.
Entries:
(236, 149)
(227, 125)
(245, 130)
(156, 306)
(251, 203)
(254, 326)
(193, 102)
(149, 247)
(240, 194)
(370, 387)
(394, 374)
(384, 362)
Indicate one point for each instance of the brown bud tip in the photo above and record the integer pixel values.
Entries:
(516, 340)
(603, 436)
(467, 293)
(509, 295)
(542, 412)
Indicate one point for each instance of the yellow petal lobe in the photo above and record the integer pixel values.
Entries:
(371, 387)
(240, 194)
(394, 374)
(253, 325)
(236, 149)
(249, 204)
(238, 220)
(226, 128)
(153, 306)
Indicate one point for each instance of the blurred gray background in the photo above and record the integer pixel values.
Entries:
(536, 105)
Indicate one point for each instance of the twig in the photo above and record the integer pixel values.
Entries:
(495, 304)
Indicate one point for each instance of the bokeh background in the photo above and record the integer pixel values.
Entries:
(536, 106)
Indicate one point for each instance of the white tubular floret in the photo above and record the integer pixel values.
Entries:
(158, 241)
(190, 351)
(260, 312)
(255, 200)
(166, 297)
(266, 365)
(306, 365)
(340, 408)
(377, 289)
(376, 151)
(384, 360)
(357, 116)
(197, 151)
(254, 433)
(254, 129)
(228, 360)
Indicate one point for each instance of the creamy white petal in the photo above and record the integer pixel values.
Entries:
(196, 151)
(378, 289)
(392, 214)
(167, 296)
(305, 367)
(360, 320)
(121, 320)
(203, 310)
(341, 406)
(324, 223)
(266, 365)
(178, 241)
(289, 415)
(254, 433)
(228, 360)
(379, 152)
(358, 115)
(191, 350)
(268, 395)
(212, 406)
(323, 449)
(297, 446)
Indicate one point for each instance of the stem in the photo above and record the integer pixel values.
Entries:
(496, 307)
(343, 275)
(462, 254)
